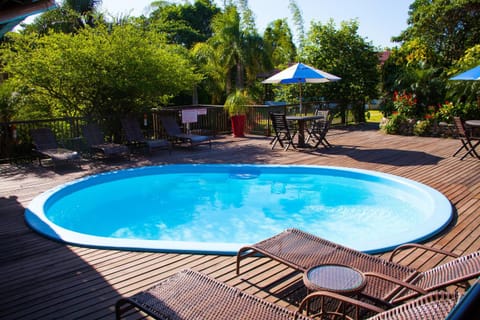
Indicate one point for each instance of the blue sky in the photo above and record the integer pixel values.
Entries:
(379, 20)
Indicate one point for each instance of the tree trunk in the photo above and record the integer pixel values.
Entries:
(358, 110)
(228, 83)
(195, 95)
(239, 83)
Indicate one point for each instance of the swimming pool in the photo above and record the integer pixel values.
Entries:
(219, 208)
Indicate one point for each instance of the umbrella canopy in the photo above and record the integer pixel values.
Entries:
(472, 74)
(301, 73)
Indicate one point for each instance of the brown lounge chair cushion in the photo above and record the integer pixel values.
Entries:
(192, 295)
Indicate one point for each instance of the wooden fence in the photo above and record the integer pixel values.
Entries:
(16, 144)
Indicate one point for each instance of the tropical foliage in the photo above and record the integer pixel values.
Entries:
(237, 103)
(345, 54)
(97, 72)
(278, 43)
(233, 56)
(405, 103)
(438, 42)
(183, 24)
(70, 17)
(76, 60)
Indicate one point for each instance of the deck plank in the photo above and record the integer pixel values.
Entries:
(44, 279)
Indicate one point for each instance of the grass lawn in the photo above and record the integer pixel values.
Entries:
(375, 116)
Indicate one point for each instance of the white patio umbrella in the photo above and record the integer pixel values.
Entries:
(472, 74)
(301, 73)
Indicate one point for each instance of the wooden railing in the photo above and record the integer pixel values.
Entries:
(16, 144)
(210, 119)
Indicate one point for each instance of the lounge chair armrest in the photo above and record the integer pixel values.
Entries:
(396, 281)
(420, 246)
(340, 298)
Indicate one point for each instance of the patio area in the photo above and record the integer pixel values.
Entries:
(43, 279)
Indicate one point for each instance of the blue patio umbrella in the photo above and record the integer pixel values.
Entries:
(301, 73)
(472, 74)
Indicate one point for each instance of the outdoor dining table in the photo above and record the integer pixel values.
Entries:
(473, 125)
(302, 120)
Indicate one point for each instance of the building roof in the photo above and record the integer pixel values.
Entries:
(383, 56)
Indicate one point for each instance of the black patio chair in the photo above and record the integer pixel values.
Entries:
(469, 142)
(283, 132)
(319, 128)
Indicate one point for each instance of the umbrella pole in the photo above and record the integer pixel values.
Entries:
(301, 107)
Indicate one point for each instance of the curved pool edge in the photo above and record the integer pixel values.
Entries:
(36, 219)
(446, 210)
(73, 238)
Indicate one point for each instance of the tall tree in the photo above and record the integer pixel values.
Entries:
(247, 18)
(231, 54)
(439, 33)
(69, 17)
(447, 27)
(103, 72)
(278, 41)
(299, 23)
(344, 53)
(184, 24)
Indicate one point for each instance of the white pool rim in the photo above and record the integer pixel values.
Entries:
(36, 218)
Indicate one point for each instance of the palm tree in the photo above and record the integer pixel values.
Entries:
(214, 82)
(232, 54)
(228, 41)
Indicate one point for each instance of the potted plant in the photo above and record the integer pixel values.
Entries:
(237, 105)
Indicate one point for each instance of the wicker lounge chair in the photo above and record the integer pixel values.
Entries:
(386, 280)
(176, 136)
(96, 142)
(469, 143)
(434, 305)
(134, 136)
(192, 295)
(283, 133)
(46, 146)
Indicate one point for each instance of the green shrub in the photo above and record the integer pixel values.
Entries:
(405, 103)
(422, 128)
(395, 124)
(464, 110)
(101, 72)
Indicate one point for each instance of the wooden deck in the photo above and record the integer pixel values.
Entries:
(43, 279)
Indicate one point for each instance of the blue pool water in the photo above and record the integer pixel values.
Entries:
(219, 208)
